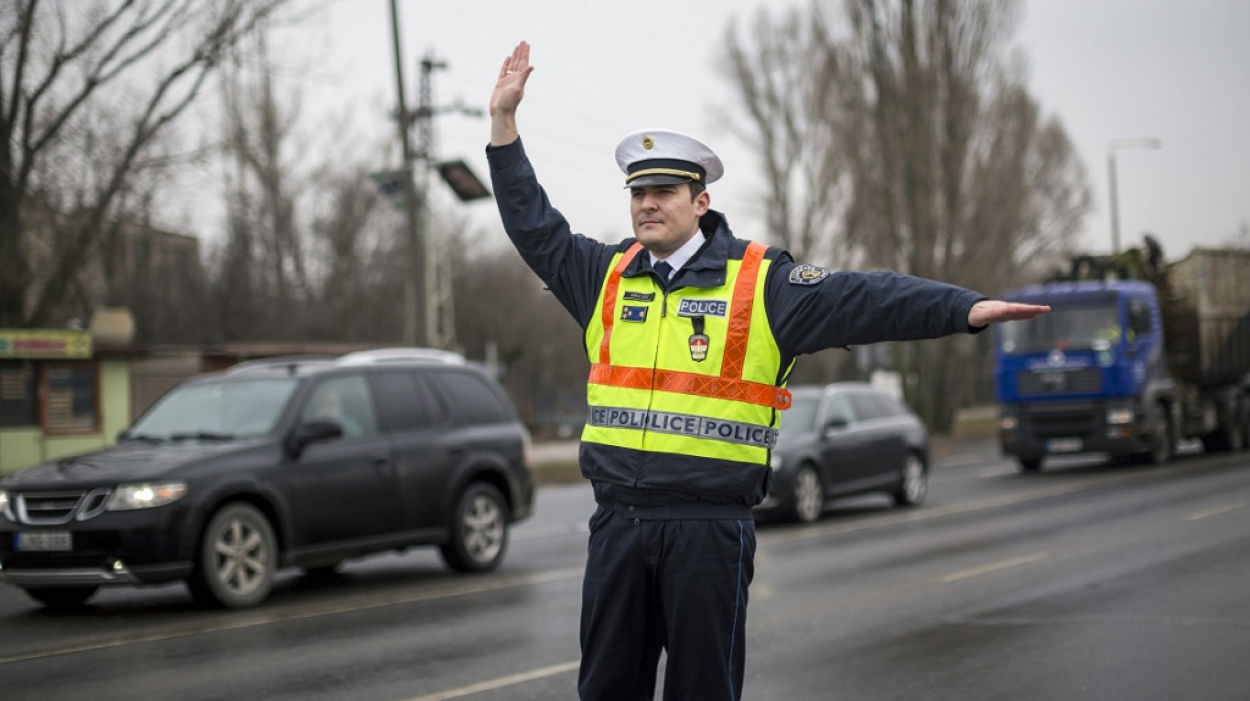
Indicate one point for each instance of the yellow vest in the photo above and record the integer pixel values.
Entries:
(692, 372)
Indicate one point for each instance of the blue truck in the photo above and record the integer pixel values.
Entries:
(1135, 356)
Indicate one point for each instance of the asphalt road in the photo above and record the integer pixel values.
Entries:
(1087, 581)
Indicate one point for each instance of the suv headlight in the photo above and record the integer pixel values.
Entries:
(147, 495)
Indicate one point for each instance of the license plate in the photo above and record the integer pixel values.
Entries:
(1063, 445)
(44, 540)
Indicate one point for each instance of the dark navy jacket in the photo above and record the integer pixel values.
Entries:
(841, 309)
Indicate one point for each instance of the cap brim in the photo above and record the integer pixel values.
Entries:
(650, 180)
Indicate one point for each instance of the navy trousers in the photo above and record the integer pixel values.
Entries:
(671, 585)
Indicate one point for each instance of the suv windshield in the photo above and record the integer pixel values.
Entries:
(1080, 328)
(216, 410)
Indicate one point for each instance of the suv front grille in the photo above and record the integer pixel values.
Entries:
(56, 508)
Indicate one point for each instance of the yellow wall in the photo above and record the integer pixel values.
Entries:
(25, 447)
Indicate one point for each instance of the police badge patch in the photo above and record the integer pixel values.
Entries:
(807, 275)
(698, 347)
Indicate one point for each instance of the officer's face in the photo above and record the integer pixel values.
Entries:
(665, 217)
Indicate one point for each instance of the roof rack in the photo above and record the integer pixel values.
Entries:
(291, 362)
(383, 356)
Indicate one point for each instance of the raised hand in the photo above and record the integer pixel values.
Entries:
(508, 93)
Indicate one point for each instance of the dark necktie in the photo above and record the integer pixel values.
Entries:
(663, 269)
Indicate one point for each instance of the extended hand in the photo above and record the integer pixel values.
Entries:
(990, 311)
(508, 93)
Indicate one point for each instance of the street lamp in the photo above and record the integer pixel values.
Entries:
(1115, 205)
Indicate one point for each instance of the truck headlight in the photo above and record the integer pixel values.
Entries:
(1118, 415)
(147, 495)
(1007, 423)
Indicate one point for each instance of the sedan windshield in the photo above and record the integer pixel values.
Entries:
(1080, 328)
(216, 410)
(801, 416)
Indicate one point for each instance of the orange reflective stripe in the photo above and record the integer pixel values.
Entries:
(691, 383)
(609, 300)
(735, 355)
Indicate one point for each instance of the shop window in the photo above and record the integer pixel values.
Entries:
(18, 401)
(70, 393)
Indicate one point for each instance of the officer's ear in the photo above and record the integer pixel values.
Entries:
(702, 202)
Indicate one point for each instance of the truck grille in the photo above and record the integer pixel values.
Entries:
(1049, 382)
(56, 508)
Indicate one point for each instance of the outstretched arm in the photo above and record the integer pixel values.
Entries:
(990, 311)
(508, 93)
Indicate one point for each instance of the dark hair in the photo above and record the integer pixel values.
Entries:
(695, 188)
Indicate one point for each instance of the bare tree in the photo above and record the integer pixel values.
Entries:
(790, 101)
(62, 65)
(953, 174)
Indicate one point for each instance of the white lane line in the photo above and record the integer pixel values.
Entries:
(994, 567)
(501, 682)
(1216, 510)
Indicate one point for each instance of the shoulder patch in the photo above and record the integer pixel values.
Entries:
(807, 274)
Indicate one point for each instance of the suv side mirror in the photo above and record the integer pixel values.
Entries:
(311, 432)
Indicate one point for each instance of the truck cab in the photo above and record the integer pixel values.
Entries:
(1089, 377)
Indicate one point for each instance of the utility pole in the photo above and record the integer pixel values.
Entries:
(430, 273)
(412, 329)
(440, 321)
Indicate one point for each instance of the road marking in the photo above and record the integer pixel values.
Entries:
(994, 567)
(501, 682)
(1216, 510)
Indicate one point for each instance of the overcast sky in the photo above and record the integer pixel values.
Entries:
(1109, 69)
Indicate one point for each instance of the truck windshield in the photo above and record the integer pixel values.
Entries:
(216, 410)
(1080, 328)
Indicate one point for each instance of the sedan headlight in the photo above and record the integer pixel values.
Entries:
(129, 497)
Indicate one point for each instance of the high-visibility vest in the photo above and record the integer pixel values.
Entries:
(692, 372)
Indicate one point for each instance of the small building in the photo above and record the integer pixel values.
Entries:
(59, 396)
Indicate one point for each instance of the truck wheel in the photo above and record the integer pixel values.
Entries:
(479, 530)
(1162, 440)
(1030, 465)
(237, 559)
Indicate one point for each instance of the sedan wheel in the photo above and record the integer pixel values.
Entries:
(809, 497)
(914, 484)
(479, 530)
(237, 560)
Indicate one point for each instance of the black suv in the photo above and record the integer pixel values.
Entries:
(294, 462)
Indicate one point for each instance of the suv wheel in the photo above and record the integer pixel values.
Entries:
(479, 530)
(61, 598)
(237, 559)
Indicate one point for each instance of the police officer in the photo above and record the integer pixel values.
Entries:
(691, 334)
